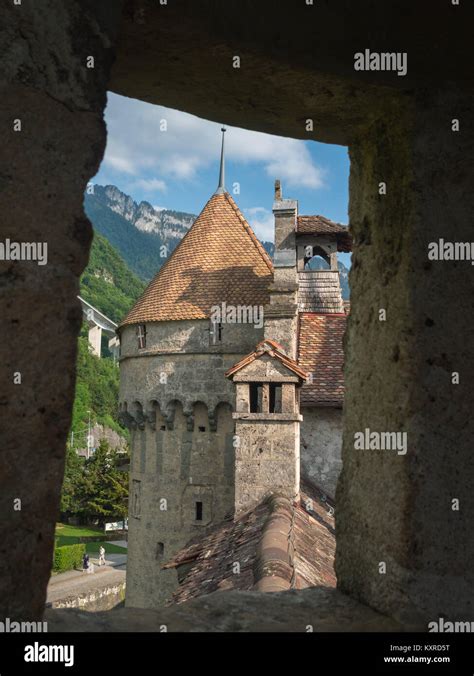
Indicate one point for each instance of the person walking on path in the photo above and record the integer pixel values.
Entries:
(101, 556)
(85, 563)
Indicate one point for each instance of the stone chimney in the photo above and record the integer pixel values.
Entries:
(277, 190)
(281, 313)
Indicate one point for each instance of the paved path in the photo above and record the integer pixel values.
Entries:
(76, 582)
(119, 543)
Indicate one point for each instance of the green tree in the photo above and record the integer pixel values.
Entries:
(105, 486)
(72, 484)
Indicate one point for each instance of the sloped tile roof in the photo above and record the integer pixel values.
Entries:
(321, 353)
(320, 225)
(277, 545)
(218, 260)
(274, 350)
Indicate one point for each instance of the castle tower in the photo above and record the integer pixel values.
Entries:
(197, 318)
(319, 290)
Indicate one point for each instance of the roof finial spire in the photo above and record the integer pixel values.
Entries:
(221, 189)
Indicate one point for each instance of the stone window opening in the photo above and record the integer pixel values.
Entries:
(141, 336)
(256, 397)
(163, 428)
(318, 260)
(160, 551)
(215, 333)
(202, 428)
(275, 404)
(198, 512)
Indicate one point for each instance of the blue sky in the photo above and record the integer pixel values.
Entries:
(177, 167)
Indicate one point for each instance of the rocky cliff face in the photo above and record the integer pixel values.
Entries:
(102, 432)
(163, 222)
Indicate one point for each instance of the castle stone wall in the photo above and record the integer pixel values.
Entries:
(266, 459)
(321, 446)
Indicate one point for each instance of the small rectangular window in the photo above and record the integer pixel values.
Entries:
(141, 336)
(256, 395)
(198, 511)
(202, 429)
(215, 333)
(160, 550)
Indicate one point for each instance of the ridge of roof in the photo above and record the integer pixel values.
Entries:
(321, 221)
(274, 350)
(261, 249)
(274, 568)
(280, 543)
(320, 225)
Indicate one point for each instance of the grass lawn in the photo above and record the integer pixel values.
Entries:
(69, 535)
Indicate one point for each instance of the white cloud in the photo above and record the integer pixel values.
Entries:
(119, 162)
(150, 184)
(262, 222)
(253, 211)
(191, 144)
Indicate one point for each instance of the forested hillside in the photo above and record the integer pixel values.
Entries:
(110, 286)
(107, 282)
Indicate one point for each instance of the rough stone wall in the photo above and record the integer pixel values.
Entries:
(321, 446)
(193, 368)
(182, 444)
(44, 83)
(266, 459)
(399, 371)
(97, 600)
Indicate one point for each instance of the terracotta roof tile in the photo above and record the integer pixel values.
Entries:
(320, 225)
(218, 260)
(321, 353)
(278, 545)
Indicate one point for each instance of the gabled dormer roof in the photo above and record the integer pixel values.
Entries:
(320, 225)
(275, 351)
(219, 260)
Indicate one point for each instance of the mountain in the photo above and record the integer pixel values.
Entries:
(107, 282)
(344, 280)
(269, 248)
(163, 222)
(143, 236)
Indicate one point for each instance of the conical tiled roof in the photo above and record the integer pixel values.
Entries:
(218, 260)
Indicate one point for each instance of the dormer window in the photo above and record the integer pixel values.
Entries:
(215, 333)
(267, 383)
(141, 336)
